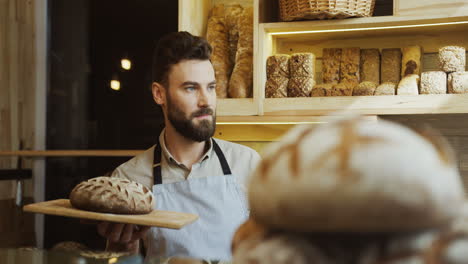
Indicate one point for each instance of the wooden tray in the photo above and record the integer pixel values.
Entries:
(62, 207)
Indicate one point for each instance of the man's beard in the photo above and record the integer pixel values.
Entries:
(186, 127)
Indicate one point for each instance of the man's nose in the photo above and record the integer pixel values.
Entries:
(204, 98)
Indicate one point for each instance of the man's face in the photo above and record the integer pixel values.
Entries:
(191, 99)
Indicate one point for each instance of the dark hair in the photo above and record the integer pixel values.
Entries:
(175, 47)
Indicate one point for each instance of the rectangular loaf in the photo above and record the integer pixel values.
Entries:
(278, 65)
(452, 58)
(300, 86)
(390, 68)
(458, 82)
(411, 60)
(276, 87)
(302, 65)
(331, 59)
(349, 65)
(433, 82)
(370, 66)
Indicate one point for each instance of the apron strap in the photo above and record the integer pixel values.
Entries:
(157, 175)
(222, 158)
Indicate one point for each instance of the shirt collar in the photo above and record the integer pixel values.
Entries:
(169, 157)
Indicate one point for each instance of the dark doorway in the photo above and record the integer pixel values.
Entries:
(87, 41)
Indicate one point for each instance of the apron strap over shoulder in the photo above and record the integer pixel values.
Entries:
(222, 158)
(157, 175)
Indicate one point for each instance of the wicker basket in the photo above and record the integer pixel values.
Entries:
(324, 9)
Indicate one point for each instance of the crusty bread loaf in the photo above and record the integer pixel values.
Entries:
(408, 85)
(411, 60)
(241, 81)
(331, 65)
(112, 195)
(323, 89)
(217, 36)
(349, 65)
(352, 175)
(232, 14)
(278, 65)
(365, 88)
(300, 86)
(276, 87)
(343, 88)
(391, 65)
(433, 82)
(302, 65)
(370, 66)
(452, 59)
(386, 88)
(458, 82)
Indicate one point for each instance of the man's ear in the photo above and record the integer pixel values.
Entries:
(159, 93)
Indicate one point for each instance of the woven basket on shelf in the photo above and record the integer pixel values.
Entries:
(324, 9)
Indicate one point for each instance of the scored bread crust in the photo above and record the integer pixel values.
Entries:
(112, 195)
(355, 176)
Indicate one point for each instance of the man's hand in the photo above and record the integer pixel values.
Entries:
(122, 237)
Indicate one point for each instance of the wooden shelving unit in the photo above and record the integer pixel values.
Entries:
(429, 31)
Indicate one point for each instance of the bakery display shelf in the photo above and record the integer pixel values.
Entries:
(387, 24)
(369, 105)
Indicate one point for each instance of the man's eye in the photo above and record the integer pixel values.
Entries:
(189, 88)
(212, 87)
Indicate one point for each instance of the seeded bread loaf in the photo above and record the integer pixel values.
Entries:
(433, 82)
(112, 195)
(458, 82)
(452, 58)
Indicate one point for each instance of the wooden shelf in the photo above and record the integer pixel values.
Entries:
(430, 24)
(382, 23)
(369, 105)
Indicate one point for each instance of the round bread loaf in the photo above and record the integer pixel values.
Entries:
(353, 175)
(112, 195)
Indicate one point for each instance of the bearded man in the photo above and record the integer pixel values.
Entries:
(187, 169)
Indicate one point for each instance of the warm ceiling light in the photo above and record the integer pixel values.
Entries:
(115, 85)
(126, 64)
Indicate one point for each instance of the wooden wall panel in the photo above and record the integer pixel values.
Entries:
(17, 97)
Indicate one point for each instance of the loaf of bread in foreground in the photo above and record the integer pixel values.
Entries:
(353, 175)
(112, 195)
